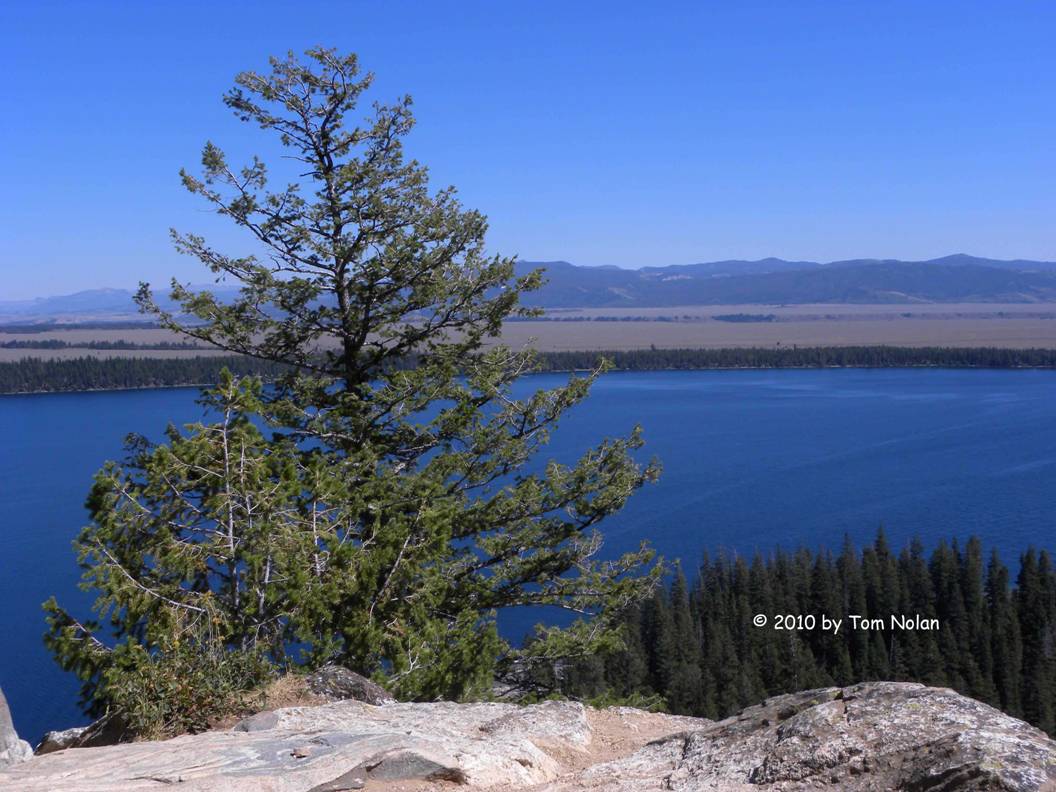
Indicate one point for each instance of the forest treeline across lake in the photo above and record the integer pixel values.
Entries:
(37, 375)
(40, 375)
(694, 648)
(55, 343)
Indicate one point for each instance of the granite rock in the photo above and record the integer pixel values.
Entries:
(12, 749)
(337, 746)
(337, 683)
(868, 737)
(872, 737)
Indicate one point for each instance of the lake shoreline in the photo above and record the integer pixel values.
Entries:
(33, 375)
(667, 370)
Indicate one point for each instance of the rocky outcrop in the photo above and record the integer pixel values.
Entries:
(105, 731)
(348, 744)
(870, 737)
(12, 749)
(53, 741)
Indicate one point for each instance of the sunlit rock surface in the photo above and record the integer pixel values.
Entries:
(875, 736)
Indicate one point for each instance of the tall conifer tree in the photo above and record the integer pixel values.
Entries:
(364, 510)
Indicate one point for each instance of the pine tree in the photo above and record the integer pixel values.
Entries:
(763, 646)
(953, 637)
(853, 600)
(1005, 638)
(1037, 691)
(627, 669)
(880, 573)
(1034, 595)
(682, 660)
(391, 510)
(829, 649)
(978, 660)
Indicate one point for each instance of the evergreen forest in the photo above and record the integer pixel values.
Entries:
(692, 648)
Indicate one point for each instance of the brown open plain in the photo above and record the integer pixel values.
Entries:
(1019, 325)
(1011, 325)
(1013, 333)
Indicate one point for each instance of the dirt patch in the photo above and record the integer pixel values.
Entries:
(619, 732)
(289, 690)
(615, 733)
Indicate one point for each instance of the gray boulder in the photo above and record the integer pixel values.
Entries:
(337, 683)
(12, 749)
(105, 731)
(60, 740)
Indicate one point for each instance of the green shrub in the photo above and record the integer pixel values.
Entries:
(651, 702)
(185, 689)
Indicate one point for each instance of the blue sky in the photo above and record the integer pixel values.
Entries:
(600, 133)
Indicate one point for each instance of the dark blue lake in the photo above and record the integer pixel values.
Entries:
(752, 460)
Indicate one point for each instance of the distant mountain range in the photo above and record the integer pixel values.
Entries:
(958, 278)
(96, 305)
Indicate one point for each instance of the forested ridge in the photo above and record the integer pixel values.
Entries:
(56, 343)
(694, 644)
(805, 357)
(36, 375)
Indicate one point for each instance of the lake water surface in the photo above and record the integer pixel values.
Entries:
(752, 460)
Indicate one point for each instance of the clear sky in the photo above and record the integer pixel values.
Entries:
(600, 133)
